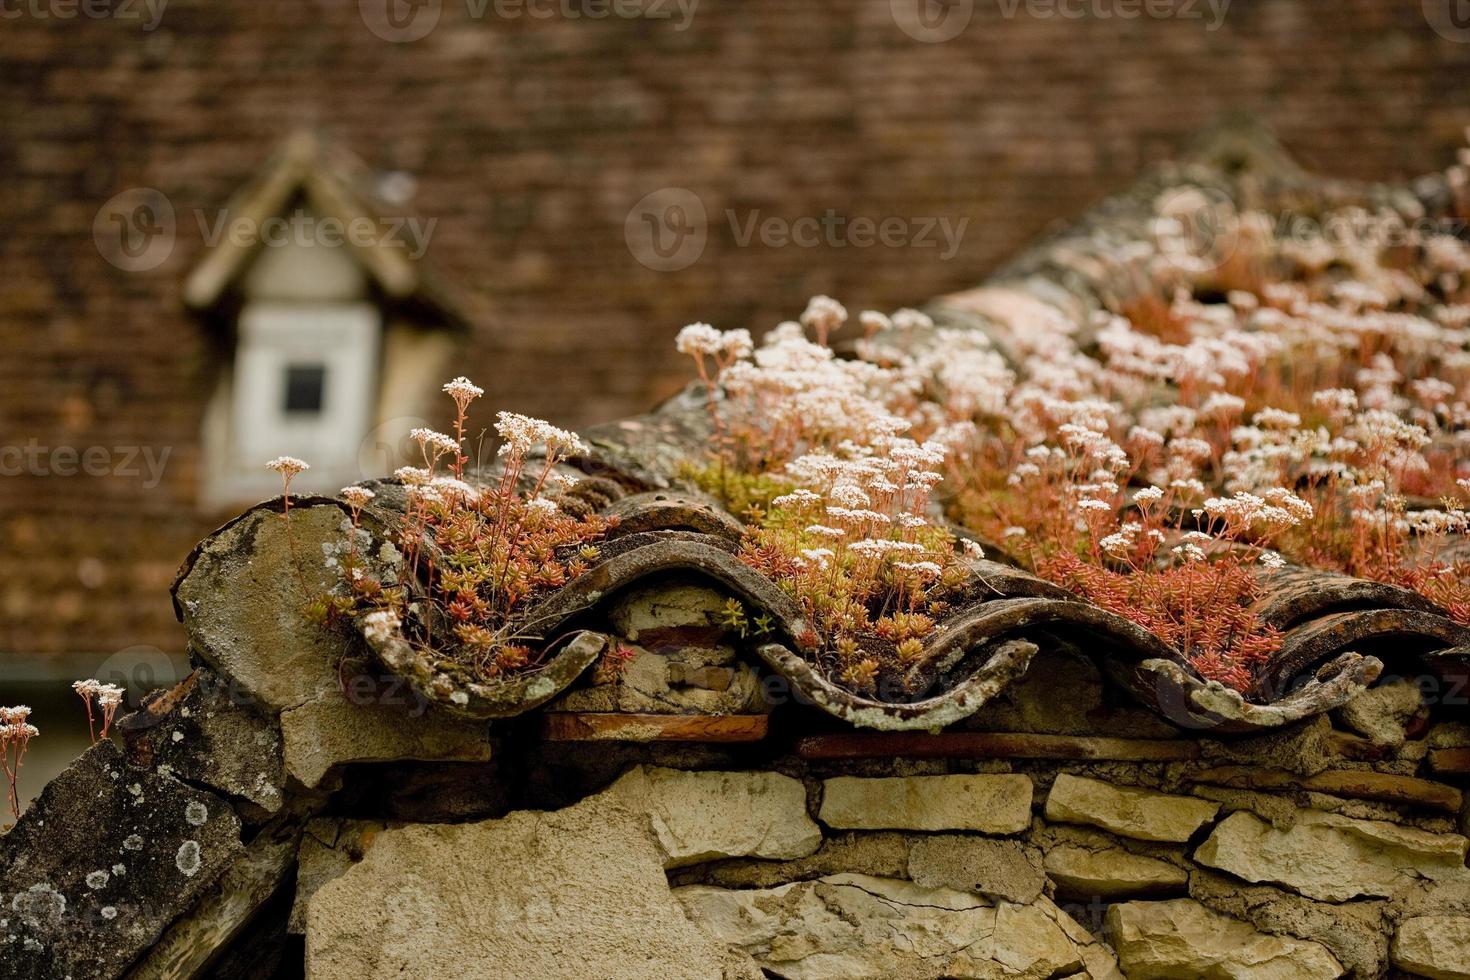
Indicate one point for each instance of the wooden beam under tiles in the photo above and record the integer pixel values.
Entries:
(589, 726)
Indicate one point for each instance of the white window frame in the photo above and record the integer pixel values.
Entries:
(345, 339)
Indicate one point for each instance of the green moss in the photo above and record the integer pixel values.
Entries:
(746, 495)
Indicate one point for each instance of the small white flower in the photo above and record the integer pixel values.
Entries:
(697, 339)
(1190, 552)
(379, 626)
(463, 388)
(906, 320)
(437, 441)
(287, 466)
(356, 496)
(825, 315)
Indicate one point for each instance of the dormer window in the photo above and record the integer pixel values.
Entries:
(304, 381)
(329, 341)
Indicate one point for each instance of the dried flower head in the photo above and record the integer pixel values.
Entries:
(825, 316)
(356, 497)
(463, 391)
(287, 466)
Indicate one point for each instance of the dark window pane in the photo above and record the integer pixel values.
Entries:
(306, 385)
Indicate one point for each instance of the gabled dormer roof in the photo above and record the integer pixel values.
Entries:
(327, 180)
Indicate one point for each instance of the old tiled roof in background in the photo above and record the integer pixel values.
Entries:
(1339, 633)
(529, 141)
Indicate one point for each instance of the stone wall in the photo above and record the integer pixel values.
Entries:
(1074, 836)
(908, 869)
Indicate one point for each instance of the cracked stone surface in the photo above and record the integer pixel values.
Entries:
(1331, 857)
(579, 891)
(101, 863)
(703, 816)
(854, 925)
(329, 730)
(687, 680)
(1127, 811)
(997, 869)
(666, 614)
(992, 804)
(1434, 946)
(1181, 938)
(1357, 933)
(1110, 873)
(205, 731)
(884, 854)
(329, 846)
(242, 602)
(1382, 713)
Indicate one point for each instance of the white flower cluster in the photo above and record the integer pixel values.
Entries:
(106, 695)
(14, 725)
(701, 339)
(521, 434)
(1275, 510)
(287, 466)
(428, 440)
(824, 315)
(868, 501)
(381, 626)
(463, 390)
(355, 496)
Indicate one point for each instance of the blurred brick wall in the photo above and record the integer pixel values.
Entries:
(530, 140)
